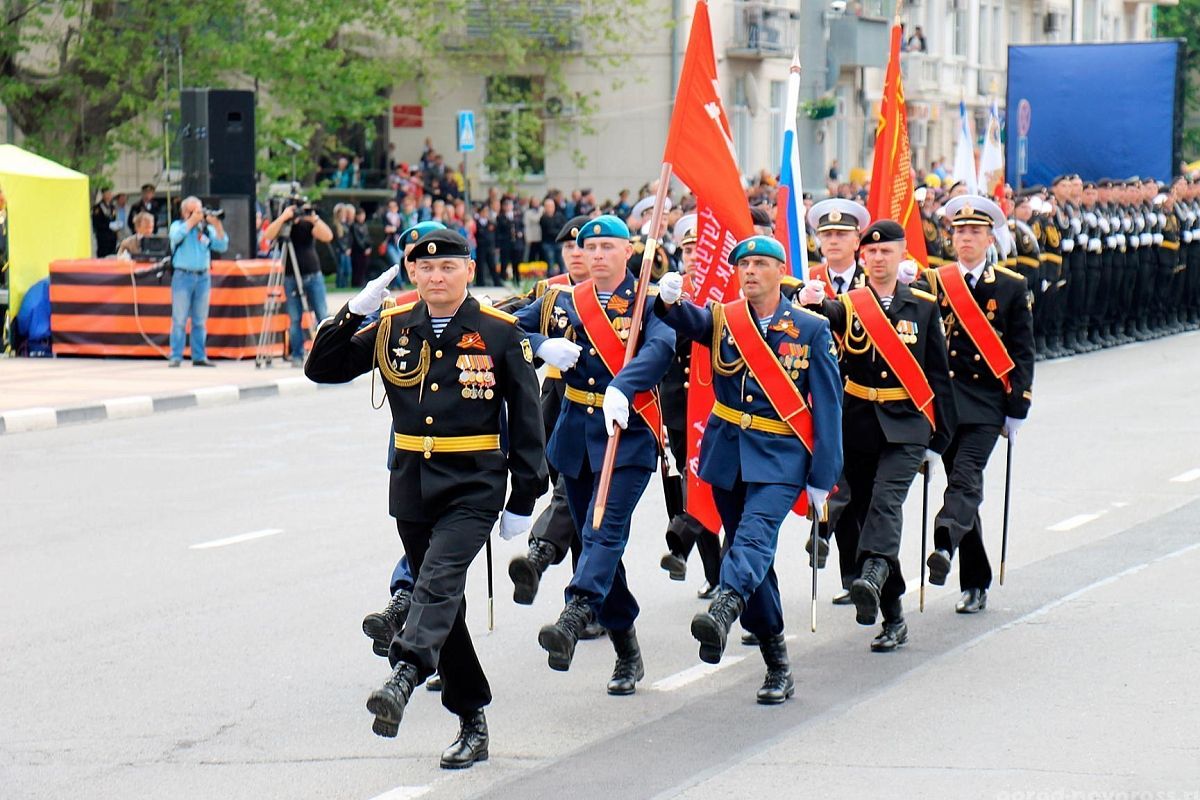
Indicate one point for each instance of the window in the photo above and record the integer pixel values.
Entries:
(778, 123)
(740, 122)
(961, 25)
(516, 137)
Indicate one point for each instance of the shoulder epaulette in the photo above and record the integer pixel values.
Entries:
(652, 291)
(388, 312)
(498, 314)
(923, 295)
(790, 280)
(810, 312)
(1009, 272)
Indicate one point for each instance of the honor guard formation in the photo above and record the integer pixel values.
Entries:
(832, 394)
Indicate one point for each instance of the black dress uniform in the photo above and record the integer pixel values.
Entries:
(447, 394)
(885, 436)
(983, 403)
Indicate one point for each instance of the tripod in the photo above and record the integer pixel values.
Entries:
(285, 259)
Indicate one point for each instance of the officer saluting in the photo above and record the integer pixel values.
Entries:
(450, 367)
(898, 413)
(990, 335)
(597, 315)
(775, 429)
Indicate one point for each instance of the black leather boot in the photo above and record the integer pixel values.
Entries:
(593, 630)
(387, 702)
(471, 744)
(778, 685)
(939, 566)
(560, 638)
(894, 634)
(629, 668)
(382, 627)
(675, 565)
(711, 628)
(864, 592)
(526, 571)
(972, 601)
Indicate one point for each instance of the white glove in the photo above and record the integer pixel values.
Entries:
(1011, 426)
(374, 293)
(908, 272)
(1187, 236)
(1082, 239)
(514, 524)
(931, 461)
(1120, 240)
(115, 226)
(1104, 226)
(1158, 238)
(816, 500)
(559, 353)
(1075, 224)
(1162, 220)
(1045, 285)
(670, 288)
(1068, 245)
(616, 409)
(813, 292)
(1094, 245)
(1147, 238)
(1110, 242)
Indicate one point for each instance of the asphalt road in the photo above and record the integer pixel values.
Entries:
(138, 665)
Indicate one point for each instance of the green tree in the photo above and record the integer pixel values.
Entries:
(1183, 22)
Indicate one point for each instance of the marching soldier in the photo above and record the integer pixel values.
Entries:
(1093, 229)
(450, 367)
(898, 413)
(1025, 258)
(927, 201)
(685, 531)
(554, 533)
(990, 338)
(1192, 281)
(838, 223)
(589, 349)
(774, 435)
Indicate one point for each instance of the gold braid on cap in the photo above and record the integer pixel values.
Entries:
(725, 369)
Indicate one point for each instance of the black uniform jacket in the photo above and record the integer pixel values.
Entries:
(480, 364)
(901, 421)
(1003, 296)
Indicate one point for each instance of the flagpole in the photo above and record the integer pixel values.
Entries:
(795, 214)
(631, 344)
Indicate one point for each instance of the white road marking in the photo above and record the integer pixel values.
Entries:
(1074, 522)
(241, 537)
(693, 674)
(403, 793)
(1186, 477)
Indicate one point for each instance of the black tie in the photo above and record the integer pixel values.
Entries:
(971, 281)
(839, 283)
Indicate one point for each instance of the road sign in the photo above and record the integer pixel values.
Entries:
(1024, 117)
(466, 131)
(1022, 154)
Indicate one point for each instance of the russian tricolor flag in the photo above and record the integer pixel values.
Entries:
(789, 199)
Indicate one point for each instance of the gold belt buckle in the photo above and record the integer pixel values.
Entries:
(745, 421)
(872, 394)
(427, 444)
(590, 398)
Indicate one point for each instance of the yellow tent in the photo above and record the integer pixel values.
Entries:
(49, 217)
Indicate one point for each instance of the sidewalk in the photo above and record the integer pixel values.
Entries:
(43, 393)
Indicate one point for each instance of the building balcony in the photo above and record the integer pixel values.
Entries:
(763, 30)
(856, 41)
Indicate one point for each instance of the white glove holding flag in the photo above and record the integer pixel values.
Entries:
(374, 293)
(559, 353)
(616, 409)
(514, 524)
(813, 292)
(931, 461)
(670, 288)
(1011, 426)
(908, 271)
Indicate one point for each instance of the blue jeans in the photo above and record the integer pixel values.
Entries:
(190, 290)
(314, 289)
(552, 255)
(343, 270)
(402, 577)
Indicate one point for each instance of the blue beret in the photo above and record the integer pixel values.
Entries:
(411, 235)
(758, 246)
(603, 225)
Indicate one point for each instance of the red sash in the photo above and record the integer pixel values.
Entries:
(821, 273)
(897, 355)
(982, 334)
(611, 350)
(767, 370)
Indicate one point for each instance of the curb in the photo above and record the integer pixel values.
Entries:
(46, 418)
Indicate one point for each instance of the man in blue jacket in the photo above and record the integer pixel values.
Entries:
(775, 429)
(588, 329)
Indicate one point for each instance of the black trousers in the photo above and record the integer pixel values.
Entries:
(486, 262)
(683, 530)
(957, 526)
(435, 637)
(844, 529)
(879, 474)
(555, 525)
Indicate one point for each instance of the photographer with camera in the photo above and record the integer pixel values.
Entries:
(194, 239)
(300, 225)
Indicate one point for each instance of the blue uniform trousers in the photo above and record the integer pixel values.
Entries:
(752, 514)
(600, 576)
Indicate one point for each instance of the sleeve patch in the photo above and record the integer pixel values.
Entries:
(527, 350)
